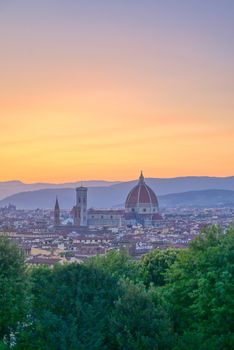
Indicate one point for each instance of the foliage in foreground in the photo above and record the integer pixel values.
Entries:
(200, 292)
(170, 299)
(79, 307)
(13, 290)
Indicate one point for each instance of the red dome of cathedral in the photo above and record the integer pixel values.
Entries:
(141, 196)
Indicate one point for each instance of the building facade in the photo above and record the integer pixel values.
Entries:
(112, 218)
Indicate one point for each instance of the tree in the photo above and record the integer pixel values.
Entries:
(138, 320)
(154, 265)
(118, 264)
(89, 306)
(70, 308)
(200, 292)
(13, 290)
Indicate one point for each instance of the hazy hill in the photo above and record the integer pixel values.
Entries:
(9, 188)
(106, 197)
(205, 198)
(119, 189)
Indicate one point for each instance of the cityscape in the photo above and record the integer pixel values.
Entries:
(50, 236)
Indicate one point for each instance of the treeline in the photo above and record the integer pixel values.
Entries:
(169, 300)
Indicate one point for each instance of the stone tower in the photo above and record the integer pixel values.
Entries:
(81, 203)
(76, 216)
(56, 213)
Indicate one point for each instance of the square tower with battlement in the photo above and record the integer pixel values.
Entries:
(81, 203)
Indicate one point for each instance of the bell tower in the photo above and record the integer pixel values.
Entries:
(56, 213)
(81, 203)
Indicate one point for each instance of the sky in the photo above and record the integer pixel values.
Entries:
(100, 89)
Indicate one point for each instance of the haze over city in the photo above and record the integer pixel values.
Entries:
(102, 89)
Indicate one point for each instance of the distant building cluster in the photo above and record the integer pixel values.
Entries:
(52, 236)
(33, 230)
(141, 208)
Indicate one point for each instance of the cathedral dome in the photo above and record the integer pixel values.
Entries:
(141, 199)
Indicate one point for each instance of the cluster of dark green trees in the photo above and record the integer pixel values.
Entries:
(170, 299)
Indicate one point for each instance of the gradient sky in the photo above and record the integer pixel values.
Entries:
(100, 89)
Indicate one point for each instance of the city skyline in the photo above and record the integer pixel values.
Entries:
(98, 90)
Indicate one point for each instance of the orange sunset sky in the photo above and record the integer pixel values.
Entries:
(103, 89)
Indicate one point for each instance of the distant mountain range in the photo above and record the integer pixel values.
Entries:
(181, 191)
(205, 198)
(160, 185)
(9, 188)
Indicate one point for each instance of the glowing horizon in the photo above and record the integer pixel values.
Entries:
(101, 91)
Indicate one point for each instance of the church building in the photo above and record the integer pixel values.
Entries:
(141, 208)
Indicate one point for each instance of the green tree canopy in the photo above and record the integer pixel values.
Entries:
(89, 307)
(154, 265)
(200, 290)
(139, 320)
(116, 263)
(13, 289)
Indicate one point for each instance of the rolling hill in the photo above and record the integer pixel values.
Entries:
(107, 197)
(9, 188)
